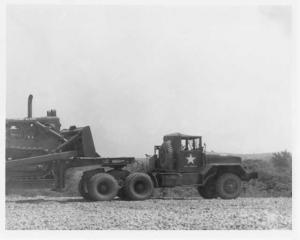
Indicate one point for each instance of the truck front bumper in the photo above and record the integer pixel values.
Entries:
(249, 176)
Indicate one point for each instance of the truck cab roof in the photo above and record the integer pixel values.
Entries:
(181, 135)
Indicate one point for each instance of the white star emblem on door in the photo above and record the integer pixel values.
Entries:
(190, 159)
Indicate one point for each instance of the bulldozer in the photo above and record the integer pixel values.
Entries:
(30, 137)
(38, 150)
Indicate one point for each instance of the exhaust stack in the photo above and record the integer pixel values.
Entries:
(30, 106)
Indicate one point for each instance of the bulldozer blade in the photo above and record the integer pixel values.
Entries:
(40, 159)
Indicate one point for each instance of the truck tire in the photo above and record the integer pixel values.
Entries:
(102, 187)
(138, 186)
(120, 175)
(122, 194)
(166, 155)
(208, 191)
(228, 186)
(82, 189)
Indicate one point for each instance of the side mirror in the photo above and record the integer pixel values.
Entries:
(204, 149)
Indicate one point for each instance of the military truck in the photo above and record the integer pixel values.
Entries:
(182, 161)
(38, 150)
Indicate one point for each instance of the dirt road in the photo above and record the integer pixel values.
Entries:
(42, 212)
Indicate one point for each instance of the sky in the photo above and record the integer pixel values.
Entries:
(136, 73)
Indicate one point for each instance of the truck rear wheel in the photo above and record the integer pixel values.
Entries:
(102, 187)
(228, 186)
(82, 189)
(208, 191)
(120, 176)
(138, 186)
(122, 194)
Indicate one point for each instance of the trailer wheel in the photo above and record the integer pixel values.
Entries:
(138, 186)
(208, 191)
(102, 187)
(228, 186)
(82, 189)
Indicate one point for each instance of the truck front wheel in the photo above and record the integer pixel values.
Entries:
(228, 186)
(102, 187)
(138, 186)
(208, 191)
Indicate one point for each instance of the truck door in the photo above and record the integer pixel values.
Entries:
(190, 155)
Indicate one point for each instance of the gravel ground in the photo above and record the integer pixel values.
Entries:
(44, 212)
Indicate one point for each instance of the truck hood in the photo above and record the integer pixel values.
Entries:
(217, 158)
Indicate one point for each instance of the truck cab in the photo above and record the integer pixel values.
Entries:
(181, 161)
(181, 153)
(188, 152)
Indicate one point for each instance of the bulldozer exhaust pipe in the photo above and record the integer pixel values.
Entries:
(29, 115)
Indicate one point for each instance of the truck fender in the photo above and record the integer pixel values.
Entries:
(87, 174)
(215, 170)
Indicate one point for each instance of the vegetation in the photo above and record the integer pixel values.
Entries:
(274, 176)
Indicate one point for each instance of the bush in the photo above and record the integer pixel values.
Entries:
(282, 161)
(274, 176)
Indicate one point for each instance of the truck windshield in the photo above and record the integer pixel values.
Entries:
(197, 143)
(190, 144)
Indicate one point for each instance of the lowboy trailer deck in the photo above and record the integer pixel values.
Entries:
(63, 161)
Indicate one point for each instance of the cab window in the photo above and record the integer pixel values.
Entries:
(187, 144)
(197, 143)
(190, 144)
(184, 145)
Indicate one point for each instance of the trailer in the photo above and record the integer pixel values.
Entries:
(38, 150)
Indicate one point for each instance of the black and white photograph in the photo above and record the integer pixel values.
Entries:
(149, 116)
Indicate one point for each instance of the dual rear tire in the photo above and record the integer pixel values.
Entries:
(105, 187)
(138, 186)
(102, 187)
